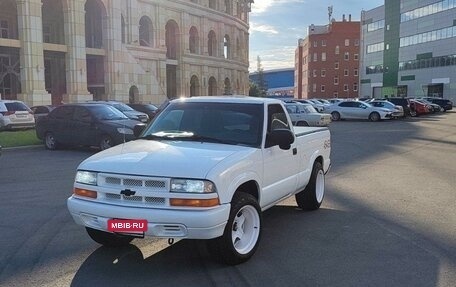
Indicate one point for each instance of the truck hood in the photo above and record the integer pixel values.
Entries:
(182, 159)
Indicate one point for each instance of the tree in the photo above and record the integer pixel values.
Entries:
(261, 83)
(254, 91)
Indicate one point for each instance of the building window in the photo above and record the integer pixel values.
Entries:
(435, 35)
(123, 28)
(4, 29)
(336, 80)
(228, 7)
(428, 10)
(355, 72)
(346, 74)
(337, 50)
(314, 88)
(193, 40)
(322, 88)
(323, 43)
(323, 73)
(355, 57)
(376, 25)
(315, 44)
(336, 65)
(212, 4)
(346, 56)
(323, 56)
(211, 44)
(355, 87)
(377, 47)
(314, 73)
(145, 31)
(226, 47)
(347, 42)
(356, 42)
(345, 87)
(315, 57)
(335, 94)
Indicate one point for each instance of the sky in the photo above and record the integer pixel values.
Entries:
(276, 26)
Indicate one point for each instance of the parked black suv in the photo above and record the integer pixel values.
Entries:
(444, 103)
(98, 125)
(404, 103)
(148, 109)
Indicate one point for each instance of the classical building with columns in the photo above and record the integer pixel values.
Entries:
(54, 51)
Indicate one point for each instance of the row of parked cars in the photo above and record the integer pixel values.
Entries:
(16, 114)
(375, 109)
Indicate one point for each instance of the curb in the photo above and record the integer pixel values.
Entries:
(22, 147)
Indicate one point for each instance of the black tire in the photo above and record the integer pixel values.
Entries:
(374, 117)
(335, 116)
(108, 239)
(50, 142)
(223, 248)
(310, 198)
(302, 124)
(105, 142)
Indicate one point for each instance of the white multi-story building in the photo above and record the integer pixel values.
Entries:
(54, 51)
(409, 49)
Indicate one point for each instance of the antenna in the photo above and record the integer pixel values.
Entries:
(330, 12)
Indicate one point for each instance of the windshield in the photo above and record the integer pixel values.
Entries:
(308, 109)
(122, 107)
(210, 122)
(106, 113)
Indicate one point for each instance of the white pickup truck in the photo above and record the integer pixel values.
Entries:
(205, 168)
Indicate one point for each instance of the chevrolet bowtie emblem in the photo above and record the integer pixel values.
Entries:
(127, 192)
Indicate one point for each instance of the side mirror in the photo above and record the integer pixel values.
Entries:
(281, 137)
(138, 129)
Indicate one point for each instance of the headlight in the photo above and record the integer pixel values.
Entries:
(192, 186)
(125, 131)
(86, 177)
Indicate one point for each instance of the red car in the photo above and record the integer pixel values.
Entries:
(419, 108)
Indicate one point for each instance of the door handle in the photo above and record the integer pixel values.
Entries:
(295, 151)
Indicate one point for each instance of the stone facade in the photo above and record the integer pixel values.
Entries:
(55, 51)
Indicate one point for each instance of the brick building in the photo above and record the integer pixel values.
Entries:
(327, 61)
(126, 50)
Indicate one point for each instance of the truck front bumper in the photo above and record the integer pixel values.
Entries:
(166, 223)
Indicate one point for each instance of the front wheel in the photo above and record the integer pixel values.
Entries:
(242, 231)
(106, 142)
(302, 124)
(108, 239)
(374, 117)
(312, 196)
(50, 142)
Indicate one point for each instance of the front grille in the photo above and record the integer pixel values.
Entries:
(112, 184)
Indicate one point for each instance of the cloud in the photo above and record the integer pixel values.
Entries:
(261, 6)
(268, 29)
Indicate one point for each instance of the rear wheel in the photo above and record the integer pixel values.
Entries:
(312, 196)
(50, 142)
(374, 117)
(108, 239)
(242, 231)
(335, 116)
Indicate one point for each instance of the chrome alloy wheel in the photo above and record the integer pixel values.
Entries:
(320, 186)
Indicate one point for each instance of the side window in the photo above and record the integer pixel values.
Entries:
(82, 114)
(63, 113)
(277, 118)
(358, 105)
(41, 110)
(345, 105)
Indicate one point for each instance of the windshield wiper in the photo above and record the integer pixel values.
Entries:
(208, 139)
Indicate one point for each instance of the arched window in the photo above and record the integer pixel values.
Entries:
(172, 39)
(212, 44)
(53, 23)
(133, 95)
(212, 4)
(194, 86)
(145, 32)
(226, 47)
(8, 20)
(212, 89)
(94, 15)
(228, 7)
(123, 28)
(194, 41)
(227, 87)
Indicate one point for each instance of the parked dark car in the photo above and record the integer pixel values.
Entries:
(149, 109)
(41, 111)
(126, 110)
(444, 103)
(97, 125)
(405, 104)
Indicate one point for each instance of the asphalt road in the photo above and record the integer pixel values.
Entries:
(388, 219)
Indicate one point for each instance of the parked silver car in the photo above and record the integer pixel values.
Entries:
(357, 110)
(398, 111)
(306, 115)
(15, 115)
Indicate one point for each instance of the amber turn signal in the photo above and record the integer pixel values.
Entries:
(85, 192)
(194, 202)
